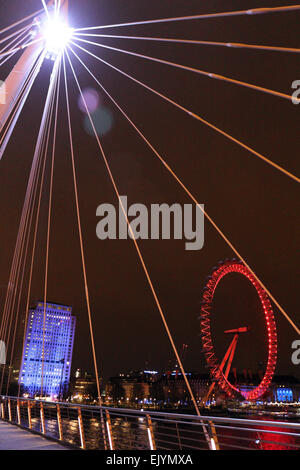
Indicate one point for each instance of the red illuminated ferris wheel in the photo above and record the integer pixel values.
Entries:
(216, 368)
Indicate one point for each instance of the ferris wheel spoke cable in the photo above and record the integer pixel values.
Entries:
(82, 253)
(194, 199)
(254, 11)
(194, 70)
(232, 45)
(195, 116)
(139, 253)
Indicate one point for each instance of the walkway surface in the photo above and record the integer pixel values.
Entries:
(14, 438)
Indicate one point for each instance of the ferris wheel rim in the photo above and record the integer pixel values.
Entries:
(218, 273)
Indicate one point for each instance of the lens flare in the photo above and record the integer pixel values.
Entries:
(57, 35)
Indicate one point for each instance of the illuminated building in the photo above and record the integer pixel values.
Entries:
(132, 388)
(58, 341)
(83, 387)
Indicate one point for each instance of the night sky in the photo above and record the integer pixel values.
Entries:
(255, 205)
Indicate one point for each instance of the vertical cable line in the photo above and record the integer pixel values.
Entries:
(24, 231)
(44, 147)
(40, 171)
(23, 234)
(140, 256)
(86, 288)
(56, 81)
(26, 88)
(193, 198)
(195, 116)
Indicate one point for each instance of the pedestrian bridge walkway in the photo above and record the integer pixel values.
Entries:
(14, 438)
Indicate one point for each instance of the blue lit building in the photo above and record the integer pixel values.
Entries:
(58, 350)
(284, 395)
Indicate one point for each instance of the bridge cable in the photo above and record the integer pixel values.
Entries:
(231, 45)
(212, 222)
(86, 288)
(56, 73)
(195, 116)
(212, 75)
(254, 11)
(139, 253)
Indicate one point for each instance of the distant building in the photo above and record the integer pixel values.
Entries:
(173, 388)
(132, 388)
(58, 334)
(284, 389)
(83, 387)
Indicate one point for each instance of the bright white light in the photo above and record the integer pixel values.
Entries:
(57, 35)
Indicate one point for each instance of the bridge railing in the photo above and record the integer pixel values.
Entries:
(89, 427)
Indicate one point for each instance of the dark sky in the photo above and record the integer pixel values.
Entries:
(256, 206)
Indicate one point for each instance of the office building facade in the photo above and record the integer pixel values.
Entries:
(54, 337)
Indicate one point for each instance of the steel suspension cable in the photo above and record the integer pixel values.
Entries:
(19, 36)
(232, 45)
(28, 85)
(24, 233)
(139, 253)
(14, 52)
(45, 8)
(194, 199)
(23, 20)
(195, 116)
(226, 14)
(212, 75)
(86, 288)
(44, 151)
(22, 30)
(21, 48)
(56, 89)
(12, 281)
